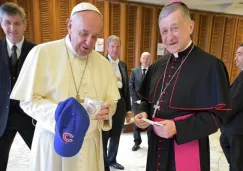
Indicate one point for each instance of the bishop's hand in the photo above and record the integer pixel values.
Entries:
(104, 112)
(169, 128)
(139, 122)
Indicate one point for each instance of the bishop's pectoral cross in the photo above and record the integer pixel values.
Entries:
(156, 107)
(78, 99)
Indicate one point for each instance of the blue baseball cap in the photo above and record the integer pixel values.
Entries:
(72, 123)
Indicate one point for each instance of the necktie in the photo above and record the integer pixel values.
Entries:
(14, 55)
(143, 73)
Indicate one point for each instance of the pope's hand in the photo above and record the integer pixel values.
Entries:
(139, 122)
(104, 112)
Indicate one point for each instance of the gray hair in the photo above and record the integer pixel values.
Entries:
(172, 7)
(240, 45)
(113, 37)
(9, 8)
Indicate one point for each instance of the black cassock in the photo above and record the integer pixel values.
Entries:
(200, 87)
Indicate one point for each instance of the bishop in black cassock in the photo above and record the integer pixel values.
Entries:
(200, 88)
(190, 88)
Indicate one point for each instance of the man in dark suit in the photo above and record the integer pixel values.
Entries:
(231, 139)
(135, 80)
(13, 51)
(123, 106)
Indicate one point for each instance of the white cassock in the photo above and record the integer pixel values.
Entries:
(44, 81)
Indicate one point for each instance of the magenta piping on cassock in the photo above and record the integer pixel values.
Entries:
(155, 89)
(217, 107)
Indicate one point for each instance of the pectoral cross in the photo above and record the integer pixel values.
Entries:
(78, 99)
(156, 107)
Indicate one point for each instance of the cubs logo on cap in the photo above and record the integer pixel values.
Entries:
(72, 123)
(67, 137)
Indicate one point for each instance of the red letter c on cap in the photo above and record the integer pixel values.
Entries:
(67, 137)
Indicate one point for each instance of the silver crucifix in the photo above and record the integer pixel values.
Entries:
(156, 107)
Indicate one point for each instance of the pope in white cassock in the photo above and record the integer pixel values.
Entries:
(57, 70)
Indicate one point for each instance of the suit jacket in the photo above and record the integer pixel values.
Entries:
(135, 82)
(125, 81)
(5, 78)
(234, 118)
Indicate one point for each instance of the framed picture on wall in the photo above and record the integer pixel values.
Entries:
(99, 45)
(160, 49)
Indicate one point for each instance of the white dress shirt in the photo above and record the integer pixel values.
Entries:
(116, 70)
(19, 47)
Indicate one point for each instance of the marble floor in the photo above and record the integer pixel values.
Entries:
(132, 161)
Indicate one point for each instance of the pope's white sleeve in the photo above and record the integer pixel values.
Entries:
(106, 125)
(42, 110)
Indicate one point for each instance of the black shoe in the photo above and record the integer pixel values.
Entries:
(117, 166)
(135, 147)
(107, 169)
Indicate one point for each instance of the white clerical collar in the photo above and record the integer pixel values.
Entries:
(70, 47)
(19, 44)
(113, 61)
(144, 68)
(176, 54)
